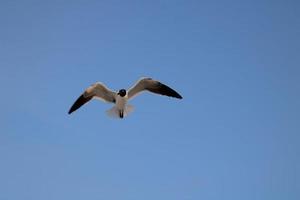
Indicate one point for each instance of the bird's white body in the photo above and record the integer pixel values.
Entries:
(121, 108)
(121, 102)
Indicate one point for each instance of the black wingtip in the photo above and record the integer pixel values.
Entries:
(79, 102)
(175, 95)
(70, 111)
(179, 97)
(166, 90)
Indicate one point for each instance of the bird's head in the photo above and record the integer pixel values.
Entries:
(122, 92)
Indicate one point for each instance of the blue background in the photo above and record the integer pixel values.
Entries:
(234, 136)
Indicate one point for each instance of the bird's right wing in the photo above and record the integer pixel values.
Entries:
(97, 90)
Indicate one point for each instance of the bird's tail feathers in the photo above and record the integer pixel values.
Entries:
(114, 112)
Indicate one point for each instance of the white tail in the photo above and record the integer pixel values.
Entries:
(115, 112)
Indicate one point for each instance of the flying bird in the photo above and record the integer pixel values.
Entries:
(121, 108)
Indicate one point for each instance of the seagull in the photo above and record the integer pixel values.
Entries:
(121, 109)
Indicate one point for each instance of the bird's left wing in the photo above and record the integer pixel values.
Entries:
(97, 90)
(148, 84)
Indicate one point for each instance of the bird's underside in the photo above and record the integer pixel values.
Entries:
(121, 109)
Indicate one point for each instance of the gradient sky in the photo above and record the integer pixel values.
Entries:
(234, 136)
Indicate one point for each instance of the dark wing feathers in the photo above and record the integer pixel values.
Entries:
(162, 89)
(97, 90)
(79, 102)
(154, 86)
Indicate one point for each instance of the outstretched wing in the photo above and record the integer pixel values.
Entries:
(148, 84)
(97, 90)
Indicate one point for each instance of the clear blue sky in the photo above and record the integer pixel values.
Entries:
(234, 136)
